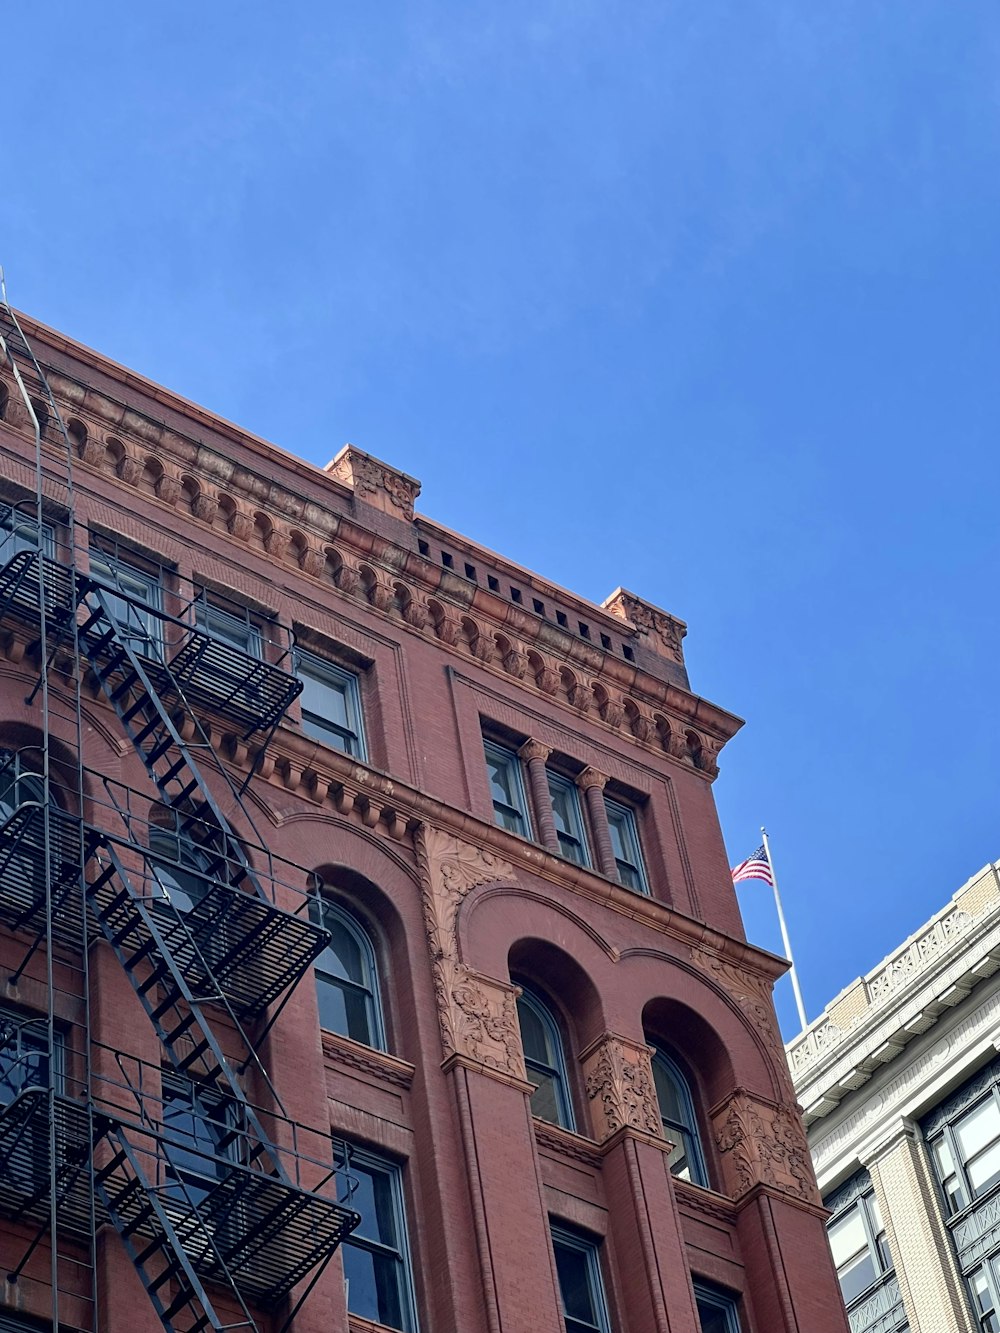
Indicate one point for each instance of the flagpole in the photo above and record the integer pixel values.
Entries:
(784, 933)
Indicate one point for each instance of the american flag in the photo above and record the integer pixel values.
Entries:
(755, 867)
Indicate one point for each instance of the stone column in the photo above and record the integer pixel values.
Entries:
(652, 1260)
(929, 1282)
(592, 784)
(534, 754)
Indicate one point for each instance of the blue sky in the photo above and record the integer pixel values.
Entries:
(695, 297)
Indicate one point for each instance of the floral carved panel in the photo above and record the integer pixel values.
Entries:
(619, 1082)
(763, 1143)
(478, 1014)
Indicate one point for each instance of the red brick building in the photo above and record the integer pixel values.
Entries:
(365, 914)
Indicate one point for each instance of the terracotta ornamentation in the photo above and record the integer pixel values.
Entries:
(619, 1081)
(763, 1144)
(477, 1013)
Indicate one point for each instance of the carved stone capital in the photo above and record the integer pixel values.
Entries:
(477, 1014)
(762, 1143)
(375, 482)
(619, 1082)
(591, 778)
(534, 750)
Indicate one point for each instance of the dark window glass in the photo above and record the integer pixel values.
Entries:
(625, 845)
(983, 1291)
(347, 979)
(198, 1140)
(717, 1311)
(376, 1256)
(331, 704)
(581, 1290)
(680, 1125)
(544, 1062)
(510, 809)
(179, 868)
(568, 819)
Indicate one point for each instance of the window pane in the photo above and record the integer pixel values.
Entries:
(228, 628)
(568, 821)
(374, 1256)
(679, 1123)
(509, 810)
(847, 1237)
(984, 1172)
(331, 706)
(346, 979)
(546, 1102)
(581, 1290)
(534, 1036)
(979, 1128)
(625, 845)
(373, 1285)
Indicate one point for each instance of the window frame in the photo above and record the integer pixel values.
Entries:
(988, 1272)
(501, 754)
(142, 627)
(373, 1162)
(618, 811)
(246, 636)
(564, 1237)
(322, 671)
(556, 1073)
(577, 834)
(13, 522)
(861, 1199)
(321, 908)
(694, 1151)
(946, 1134)
(706, 1293)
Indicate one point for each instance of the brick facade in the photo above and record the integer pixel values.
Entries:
(448, 644)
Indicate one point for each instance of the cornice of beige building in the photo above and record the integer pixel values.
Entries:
(897, 1078)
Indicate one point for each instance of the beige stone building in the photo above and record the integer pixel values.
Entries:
(899, 1080)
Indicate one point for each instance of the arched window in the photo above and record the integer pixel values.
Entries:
(179, 868)
(680, 1125)
(22, 877)
(347, 979)
(544, 1062)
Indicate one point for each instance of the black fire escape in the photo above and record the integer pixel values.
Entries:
(208, 1192)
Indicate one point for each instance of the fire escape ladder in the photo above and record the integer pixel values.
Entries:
(139, 1212)
(137, 931)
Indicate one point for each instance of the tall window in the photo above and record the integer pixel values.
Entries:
(966, 1152)
(581, 1290)
(544, 1062)
(569, 820)
(179, 868)
(199, 1136)
(716, 1309)
(25, 1063)
(376, 1256)
(510, 806)
(680, 1124)
(857, 1237)
(347, 979)
(134, 596)
(626, 847)
(331, 704)
(23, 871)
(983, 1288)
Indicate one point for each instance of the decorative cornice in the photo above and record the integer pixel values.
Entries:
(259, 513)
(564, 1143)
(870, 1023)
(379, 1064)
(697, 1199)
